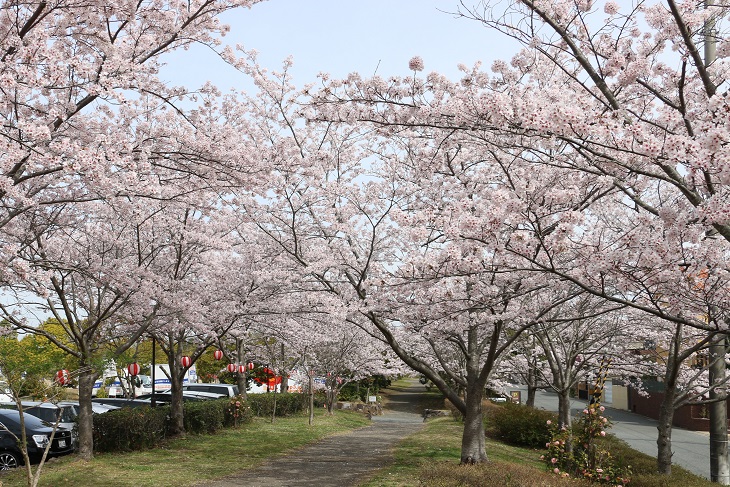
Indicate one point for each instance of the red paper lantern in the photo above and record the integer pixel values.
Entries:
(62, 377)
(231, 368)
(133, 369)
(186, 362)
(241, 369)
(250, 366)
(218, 354)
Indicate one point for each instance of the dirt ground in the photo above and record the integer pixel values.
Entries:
(342, 460)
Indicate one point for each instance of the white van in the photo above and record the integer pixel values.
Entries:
(142, 385)
(162, 377)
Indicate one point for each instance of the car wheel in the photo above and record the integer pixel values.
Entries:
(8, 460)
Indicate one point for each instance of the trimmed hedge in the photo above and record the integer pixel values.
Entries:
(287, 404)
(204, 416)
(521, 425)
(128, 429)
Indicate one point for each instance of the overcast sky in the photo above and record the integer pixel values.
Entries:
(341, 36)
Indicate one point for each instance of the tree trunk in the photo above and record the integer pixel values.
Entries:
(284, 386)
(241, 383)
(531, 384)
(273, 409)
(564, 419)
(85, 419)
(311, 398)
(177, 424)
(531, 393)
(473, 448)
(331, 399)
(664, 428)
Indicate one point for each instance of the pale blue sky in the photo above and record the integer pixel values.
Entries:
(341, 36)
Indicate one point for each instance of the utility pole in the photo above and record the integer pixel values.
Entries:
(719, 461)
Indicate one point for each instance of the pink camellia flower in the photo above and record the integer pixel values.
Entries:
(542, 457)
(549, 422)
(602, 408)
(603, 433)
(556, 442)
(416, 63)
(585, 411)
(554, 460)
(547, 445)
(556, 470)
(599, 470)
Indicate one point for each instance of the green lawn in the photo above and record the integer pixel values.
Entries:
(193, 459)
(430, 459)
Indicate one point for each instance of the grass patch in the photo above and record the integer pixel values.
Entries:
(430, 459)
(193, 459)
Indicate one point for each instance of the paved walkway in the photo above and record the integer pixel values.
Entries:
(341, 460)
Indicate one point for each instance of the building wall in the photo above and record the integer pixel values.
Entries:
(688, 417)
(620, 397)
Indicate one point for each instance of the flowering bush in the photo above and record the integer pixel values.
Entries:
(577, 452)
(238, 411)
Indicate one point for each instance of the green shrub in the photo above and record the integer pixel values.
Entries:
(128, 429)
(287, 404)
(520, 425)
(204, 416)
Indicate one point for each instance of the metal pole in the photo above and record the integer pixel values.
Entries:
(154, 345)
(719, 464)
(719, 460)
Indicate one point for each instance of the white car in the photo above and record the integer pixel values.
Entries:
(229, 390)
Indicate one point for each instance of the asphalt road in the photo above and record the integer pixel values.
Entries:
(691, 449)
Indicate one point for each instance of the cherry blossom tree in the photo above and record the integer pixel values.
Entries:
(91, 274)
(611, 148)
(573, 341)
(77, 76)
(381, 244)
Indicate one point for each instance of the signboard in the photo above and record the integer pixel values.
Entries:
(372, 399)
(516, 396)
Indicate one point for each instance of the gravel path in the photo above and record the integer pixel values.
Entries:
(341, 460)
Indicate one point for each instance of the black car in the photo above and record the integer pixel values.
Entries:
(38, 433)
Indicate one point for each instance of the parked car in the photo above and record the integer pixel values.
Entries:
(228, 390)
(38, 433)
(95, 407)
(121, 402)
(142, 385)
(50, 412)
(166, 397)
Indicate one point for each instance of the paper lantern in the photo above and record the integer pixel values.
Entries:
(133, 369)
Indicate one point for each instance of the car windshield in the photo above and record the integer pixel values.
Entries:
(11, 419)
(51, 413)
